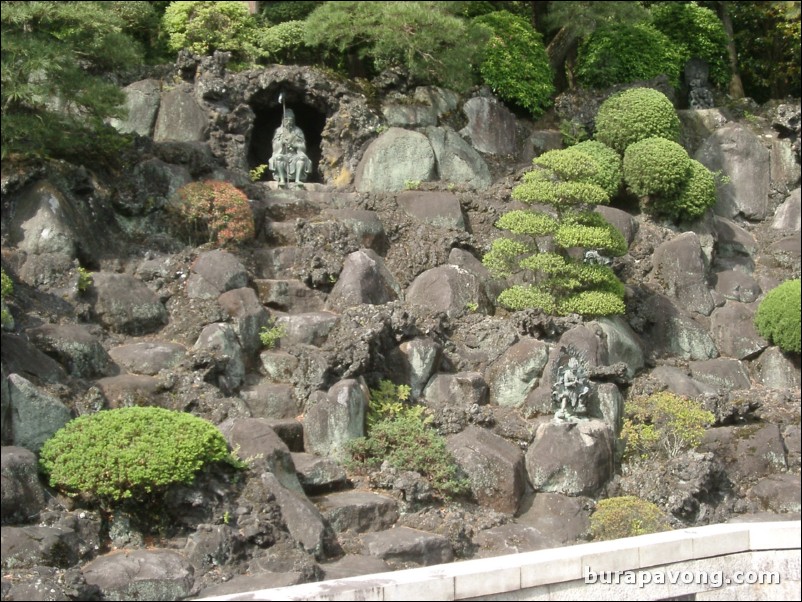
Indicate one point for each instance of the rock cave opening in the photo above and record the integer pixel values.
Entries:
(268, 118)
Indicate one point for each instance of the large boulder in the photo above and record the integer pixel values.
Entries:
(35, 416)
(743, 157)
(248, 316)
(214, 273)
(449, 289)
(776, 370)
(413, 362)
(358, 511)
(457, 161)
(789, 215)
(728, 374)
(492, 128)
(75, 347)
(679, 269)
(680, 383)
(22, 495)
(148, 357)
(333, 419)
(395, 159)
(180, 118)
(571, 458)
(517, 372)
(124, 304)
(737, 286)
(364, 279)
(623, 344)
(271, 400)
(495, 468)
(674, 333)
(403, 547)
(312, 328)
(733, 330)
(746, 452)
(563, 518)
(219, 342)
(153, 574)
(142, 100)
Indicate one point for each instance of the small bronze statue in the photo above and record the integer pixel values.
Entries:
(289, 160)
(570, 391)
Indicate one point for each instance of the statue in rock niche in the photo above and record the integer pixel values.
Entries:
(570, 390)
(289, 160)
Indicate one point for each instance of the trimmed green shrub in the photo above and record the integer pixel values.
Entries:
(699, 32)
(696, 194)
(130, 453)
(620, 54)
(663, 423)
(654, 166)
(626, 516)
(589, 162)
(281, 12)
(611, 172)
(401, 434)
(634, 115)
(514, 62)
(589, 230)
(284, 43)
(778, 316)
(212, 211)
(203, 27)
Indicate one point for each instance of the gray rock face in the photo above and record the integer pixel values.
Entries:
(352, 565)
(271, 400)
(333, 419)
(737, 286)
(512, 538)
(622, 221)
(180, 118)
(673, 332)
(776, 370)
(149, 357)
(439, 209)
(141, 575)
(463, 388)
(358, 511)
(364, 279)
(495, 468)
(403, 547)
(130, 389)
(449, 289)
(21, 357)
(680, 383)
(563, 518)
(623, 344)
(408, 115)
(457, 161)
(214, 273)
(778, 493)
(278, 365)
(733, 241)
(220, 342)
(125, 304)
(27, 547)
(142, 100)
(746, 451)
(789, 215)
(365, 225)
(316, 473)
(491, 126)
(393, 159)
(733, 330)
(611, 405)
(283, 295)
(74, 347)
(727, 374)
(679, 268)
(740, 155)
(311, 328)
(22, 495)
(413, 362)
(248, 317)
(573, 459)
(35, 416)
(516, 372)
(44, 222)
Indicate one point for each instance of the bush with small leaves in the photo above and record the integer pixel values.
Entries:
(698, 32)
(663, 423)
(212, 211)
(610, 174)
(622, 53)
(130, 453)
(514, 62)
(284, 43)
(589, 162)
(634, 115)
(6, 319)
(691, 201)
(627, 516)
(271, 334)
(778, 316)
(656, 166)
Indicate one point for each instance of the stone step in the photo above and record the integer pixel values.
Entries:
(289, 295)
(318, 474)
(358, 511)
(404, 548)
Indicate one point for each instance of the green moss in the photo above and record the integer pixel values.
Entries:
(634, 115)
(778, 316)
(130, 452)
(656, 166)
(626, 516)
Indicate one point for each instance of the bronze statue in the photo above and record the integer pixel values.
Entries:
(289, 160)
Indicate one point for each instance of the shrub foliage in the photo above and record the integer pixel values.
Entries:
(626, 516)
(778, 316)
(212, 211)
(514, 62)
(633, 115)
(655, 166)
(130, 453)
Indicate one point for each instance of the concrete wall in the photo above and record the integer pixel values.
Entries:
(706, 561)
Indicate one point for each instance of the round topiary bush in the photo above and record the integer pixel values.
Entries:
(778, 316)
(212, 211)
(514, 62)
(693, 198)
(620, 54)
(130, 452)
(633, 115)
(656, 166)
(626, 516)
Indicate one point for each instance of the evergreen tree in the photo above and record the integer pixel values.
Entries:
(54, 96)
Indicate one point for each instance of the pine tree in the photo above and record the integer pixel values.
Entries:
(54, 96)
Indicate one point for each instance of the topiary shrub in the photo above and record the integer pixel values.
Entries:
(633, 115)
(591, 162)
(280, 12)
(284, 43)
(655, 166)
(212, 211)
(698, 32)
(662, 424)
(514, 62)
(620, 54)
(696, 194)
(203, 27)
(626, 516)
(611, 171)
(130, 453)
(778, 316)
